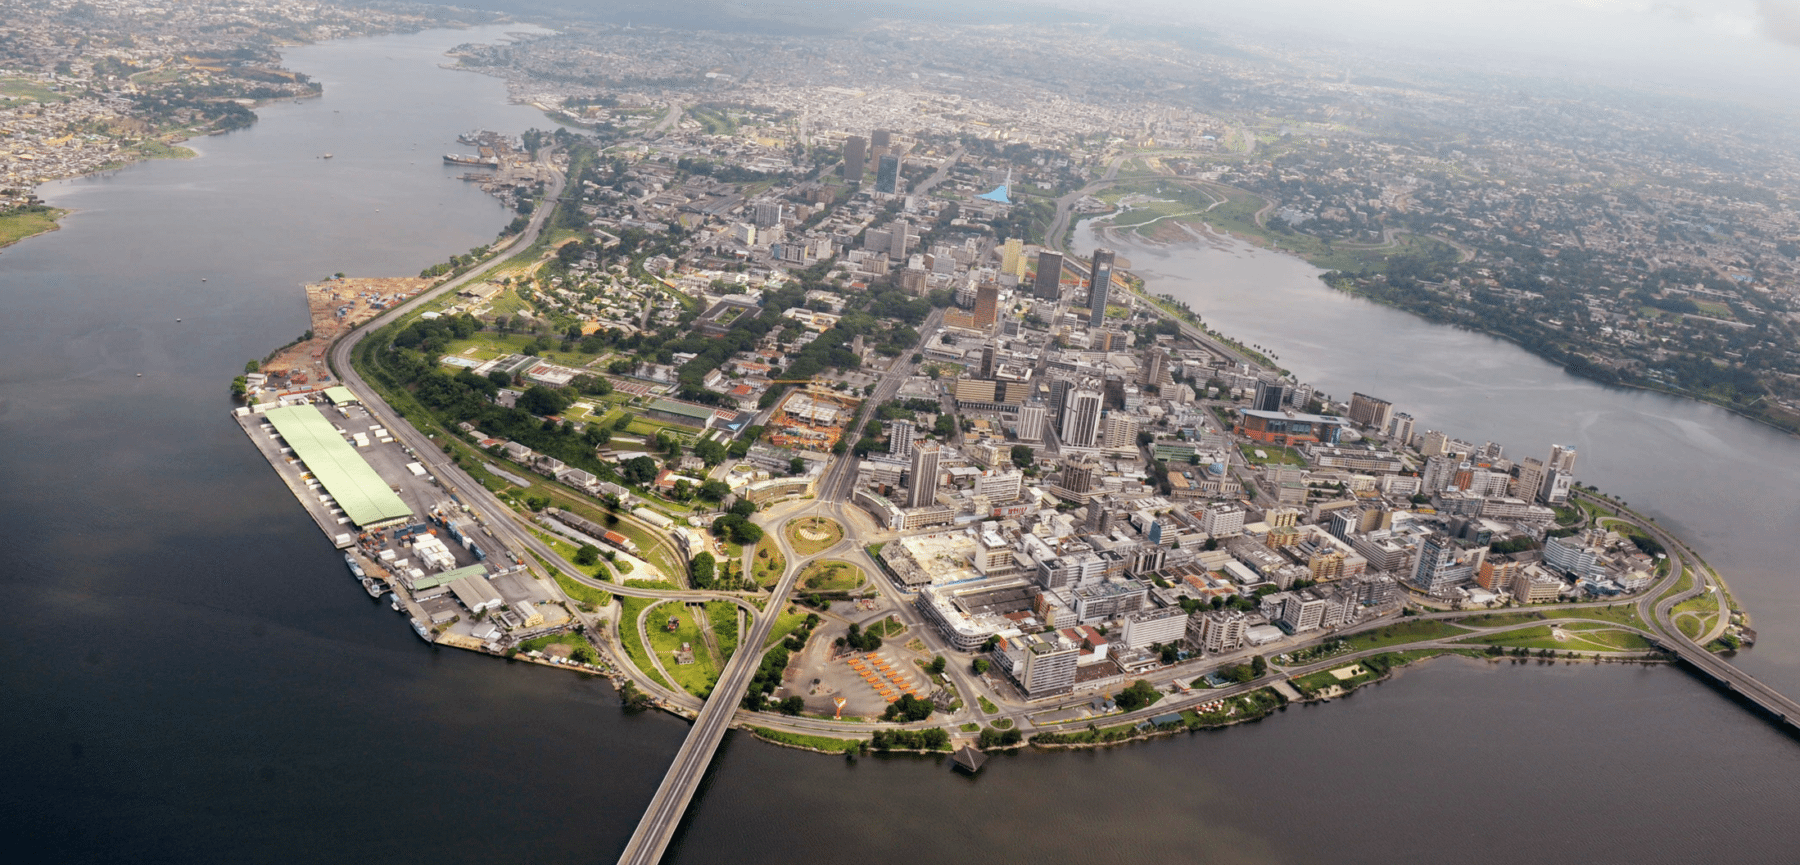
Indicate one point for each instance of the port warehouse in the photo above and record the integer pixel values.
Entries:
(351, 482)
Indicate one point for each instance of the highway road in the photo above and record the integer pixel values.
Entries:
(677, 789)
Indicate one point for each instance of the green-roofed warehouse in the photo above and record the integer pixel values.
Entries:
(340, 395)
(365, 497)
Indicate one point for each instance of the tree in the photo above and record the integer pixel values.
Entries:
(709, 451)
(702, 566)
(937, 666)
(1140, 694)
(715, 490)
(796, 466)
(980, 666)
(1258, 666)
(588, 555)
(252, 366)
(793, 705)
(500, 378)
(1022, 455)
(623, 421)
(990, 644)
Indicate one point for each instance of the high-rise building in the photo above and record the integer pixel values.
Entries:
(1528, 478)
(1080, 477)
(1121, 431)
(1081, 418)
(767, 214)
(987, 305)
(897, 240)
(1269, 396)
(1156, 371)
(1031, 421)
(1403, 428)
(1012, 257)
(881, 143)
(1099, 286)
(900, 438)
(1222, 520)
(1370, 412)
(887, 174)
(1562, 459)
(924, 479)
(855, 148)
(987, 352)
(1432, 443)
(1556, 487)
(1441, 565)
(1048, 284)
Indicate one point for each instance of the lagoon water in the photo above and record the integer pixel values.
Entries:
(191, 676)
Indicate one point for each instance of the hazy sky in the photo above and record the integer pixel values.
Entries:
(1746, 46)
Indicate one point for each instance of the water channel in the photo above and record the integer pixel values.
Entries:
(191, 676)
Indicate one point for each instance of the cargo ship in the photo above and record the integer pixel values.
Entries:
(465, 159)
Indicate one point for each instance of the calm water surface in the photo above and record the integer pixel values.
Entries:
(190, 675)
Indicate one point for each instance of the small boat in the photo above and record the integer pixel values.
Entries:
(395, 604)
(373, 588)
(419, 629)
(326, 156)
(355, 569)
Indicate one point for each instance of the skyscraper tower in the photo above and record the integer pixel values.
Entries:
(897, 231)
(987, 305)
(987, 354)
(1099, 286)
(1269, 396)
(887, 174)
(1031, 421)
(1562, 459)
(855, 149)
(1048, 285)
(1081, 418)
(1012, 257)
(881, 143)
(900, 438)
(924, 479)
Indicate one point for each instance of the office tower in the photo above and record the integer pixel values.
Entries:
(987, 305)
(1556, 487)
(1049, 276)
(987, 361)
(1099, 285)
(924, 479)
(881, 143)
(1403, 428)
(1441, 565)
(1299, 395)
(1080, 477)
(897, 240)
(1269, 396)
(1562, 459)
(1156, 371)
(1031, 421)
(855, 148)
(1433, 443)
(1059, 397)
(1528, 478)
(1370, 412)
(1121, 431)
(900, 438)
(767, 214)
(1081, 418)
(1012, 257)
(1440, 470)
(887, 175)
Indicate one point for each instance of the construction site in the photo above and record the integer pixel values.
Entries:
(335, 307)
(812, 419)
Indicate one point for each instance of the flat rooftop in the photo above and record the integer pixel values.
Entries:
(346, 476)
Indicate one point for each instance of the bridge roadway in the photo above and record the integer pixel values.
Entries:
(677, 789)
(670, 802)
